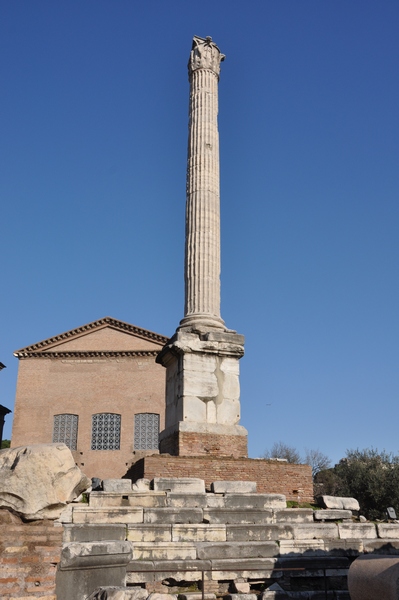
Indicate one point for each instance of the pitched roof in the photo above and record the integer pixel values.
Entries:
(50, 345)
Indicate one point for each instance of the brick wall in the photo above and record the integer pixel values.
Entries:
(196, 444)
(85, 385)
(294, 481)
(29, 554)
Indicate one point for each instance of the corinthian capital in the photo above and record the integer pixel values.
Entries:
(205, 55)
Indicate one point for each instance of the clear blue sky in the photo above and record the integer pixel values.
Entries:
(93, 144)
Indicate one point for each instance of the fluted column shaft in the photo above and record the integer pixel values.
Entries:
(202, 253)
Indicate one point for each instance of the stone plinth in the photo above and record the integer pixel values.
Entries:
(203, 395)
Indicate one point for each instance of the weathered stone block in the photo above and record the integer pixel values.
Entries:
(233, 487)
(338, 502)
(298, 547)
(185, 485)
(173, 515)
(117, 485)
(388, 531)
(294, 515)
(138, 499)
(95, 554)
(241, 587)
(107, 515)
(186, 500)
(231, 515)
(201, 532)
(258, 533)
(357, 531)
(164, 551)
(332, 515)
(220, 550)
(321, 531)
(141, 485)
(149, 533)
(93, 533)
(255, 501)
(215, 500)
(343, 547)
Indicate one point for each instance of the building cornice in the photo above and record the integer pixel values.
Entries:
(87, 354)
(95, 325)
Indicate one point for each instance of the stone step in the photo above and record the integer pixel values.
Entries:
(196, 532)
(136, 499)
(255, 501)
(293, 515)
(176, 500)
(237, 550)
(88, 514)
(232, 515)
(141, 571)
(164, 551)
(173, 515)
(258, 533)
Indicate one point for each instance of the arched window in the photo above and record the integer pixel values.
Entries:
(146, 431)
(65, 430)
(106, 431)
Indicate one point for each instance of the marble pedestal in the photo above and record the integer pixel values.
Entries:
(203, 394)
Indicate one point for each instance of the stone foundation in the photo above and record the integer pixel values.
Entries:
(294, 481)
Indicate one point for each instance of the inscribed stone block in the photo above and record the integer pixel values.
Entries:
(255, 501)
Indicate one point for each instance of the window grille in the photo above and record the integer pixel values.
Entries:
(146, 431)
(65, 430)
(106, 431)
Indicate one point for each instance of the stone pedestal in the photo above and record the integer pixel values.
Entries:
(203, 394)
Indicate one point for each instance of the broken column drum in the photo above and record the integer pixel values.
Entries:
(202, 380)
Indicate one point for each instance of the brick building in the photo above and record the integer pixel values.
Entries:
(96, 388)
